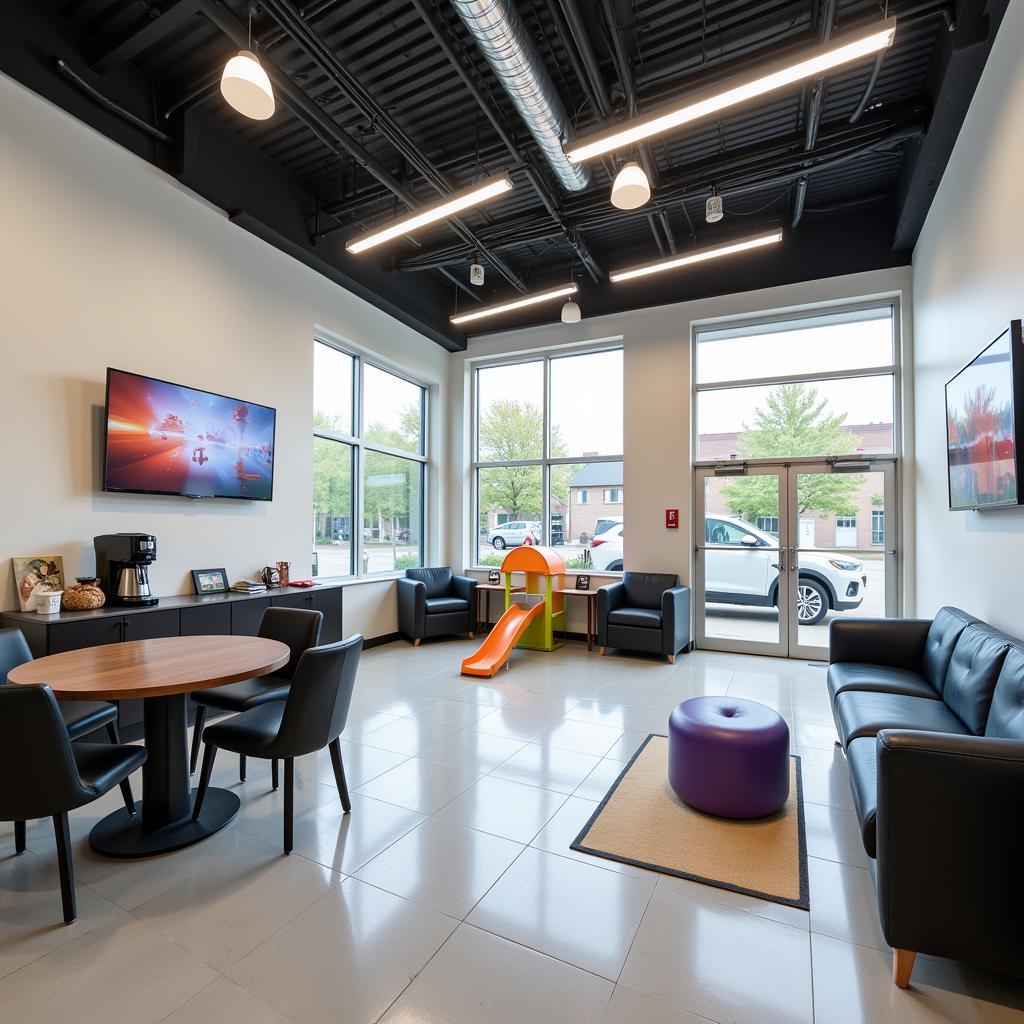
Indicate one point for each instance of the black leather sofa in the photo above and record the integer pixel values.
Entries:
(644, 611)
(930, 714)
(434, 602)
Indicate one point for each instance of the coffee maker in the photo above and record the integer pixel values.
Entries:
(122, 563)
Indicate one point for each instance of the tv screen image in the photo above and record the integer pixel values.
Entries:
(982, 424)
(165, 438)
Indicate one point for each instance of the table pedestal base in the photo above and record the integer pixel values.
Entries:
(119, 835)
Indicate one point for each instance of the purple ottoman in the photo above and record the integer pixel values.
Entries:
(729, 757)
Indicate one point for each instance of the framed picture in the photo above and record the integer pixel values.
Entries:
(494, 576)
(210, 581)
(582, 582)
(35, 575)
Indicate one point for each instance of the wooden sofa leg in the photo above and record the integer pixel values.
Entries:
(600, 651)
(417, 641)
(902, 966)
(671, 659)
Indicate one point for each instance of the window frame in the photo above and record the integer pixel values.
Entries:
(878, 516)
(360, 445)
(752, 323)
(546, 460)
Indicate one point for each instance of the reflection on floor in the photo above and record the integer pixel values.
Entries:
(450, 893)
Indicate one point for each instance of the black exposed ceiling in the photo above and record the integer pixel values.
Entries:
(381, 99)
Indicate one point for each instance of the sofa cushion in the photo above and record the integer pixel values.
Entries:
(860, 713)
(644, 589)
(444, 605)
(646, 618)
(862, 756)
(437, 581)
(878, 678)
(1006, 716)
(973, 671)
(943, 635)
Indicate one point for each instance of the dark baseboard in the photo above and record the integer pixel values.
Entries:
(380, 641)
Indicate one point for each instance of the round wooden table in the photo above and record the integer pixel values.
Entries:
(162, 672)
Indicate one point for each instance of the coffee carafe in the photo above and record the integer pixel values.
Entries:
(122, 563)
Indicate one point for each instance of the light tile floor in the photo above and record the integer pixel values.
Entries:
(450, 893)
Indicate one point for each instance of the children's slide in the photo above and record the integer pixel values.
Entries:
(496, 648)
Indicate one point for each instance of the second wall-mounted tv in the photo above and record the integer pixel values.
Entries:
(985, 425)
(164, 438)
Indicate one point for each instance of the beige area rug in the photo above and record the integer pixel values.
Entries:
(642, 822)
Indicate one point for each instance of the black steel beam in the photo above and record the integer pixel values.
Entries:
(152, 32)
(956, 68)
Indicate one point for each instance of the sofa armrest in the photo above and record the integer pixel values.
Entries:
(465, 588)
(675, 620)
(609, 597)
(412, 607)
(950, 829)
(898, 643)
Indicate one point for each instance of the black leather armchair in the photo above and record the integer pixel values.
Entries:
(930, 714)
(46, 775)
(434, 602)
(645, 611)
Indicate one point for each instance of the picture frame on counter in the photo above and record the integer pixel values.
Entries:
(494, 576)
(210, 581)
(582, 582)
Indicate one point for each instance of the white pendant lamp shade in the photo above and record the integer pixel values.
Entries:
(246, 87)
(571, 313)
(631, 189)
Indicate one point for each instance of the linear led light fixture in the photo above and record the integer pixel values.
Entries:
(841, 50)
(442, 209)
(526, 300)
(696, 257)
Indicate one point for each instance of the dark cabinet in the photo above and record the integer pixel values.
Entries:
(151, 625)
(206, 620)
(328, 602)
(291, 600)
(246, 615)
(93, 632)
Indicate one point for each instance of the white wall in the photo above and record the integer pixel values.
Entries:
(968, 284)
(108, 262)
(656, 407)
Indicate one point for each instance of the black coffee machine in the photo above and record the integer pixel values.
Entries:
(122, 564)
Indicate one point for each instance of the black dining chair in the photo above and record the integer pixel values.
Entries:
(313, 717)
(46, 775)
(82, 717)
(299, 628)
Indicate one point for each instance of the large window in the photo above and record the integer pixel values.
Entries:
(368, 466)
(548, 456)
(810, 386)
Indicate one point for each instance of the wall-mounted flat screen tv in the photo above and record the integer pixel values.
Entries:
(166, 438)
(984, 426)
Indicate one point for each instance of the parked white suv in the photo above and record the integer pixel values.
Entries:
(741, 568)
(511, 535)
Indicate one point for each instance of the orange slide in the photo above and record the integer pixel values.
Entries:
(496, 648)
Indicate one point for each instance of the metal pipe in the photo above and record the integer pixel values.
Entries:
(499, 31)
(798, 201)
(104, 101)
(869, 88)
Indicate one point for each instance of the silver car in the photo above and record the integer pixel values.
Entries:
(511, 535)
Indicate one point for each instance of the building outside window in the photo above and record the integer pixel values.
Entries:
(769, 524)
(369, 466)
(877, 526)
(846, 531)
(548, 445)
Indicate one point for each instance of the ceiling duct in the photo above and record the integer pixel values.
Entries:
(498, 29)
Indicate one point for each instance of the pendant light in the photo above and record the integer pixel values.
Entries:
(571, 310)
(631, 189)
(245, 85)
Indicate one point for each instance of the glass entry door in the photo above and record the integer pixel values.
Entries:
(783, 549)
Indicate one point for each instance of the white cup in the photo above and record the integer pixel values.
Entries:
(48, 602)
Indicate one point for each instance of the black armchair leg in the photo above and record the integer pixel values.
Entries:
(241, 767)
(289, 802)
(197, 738)
(339, 774)
(126, 787)
(209, 755)
(274, 780)
(62, 833)
(19, 837)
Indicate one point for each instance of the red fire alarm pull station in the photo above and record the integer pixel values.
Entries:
(671, 519)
